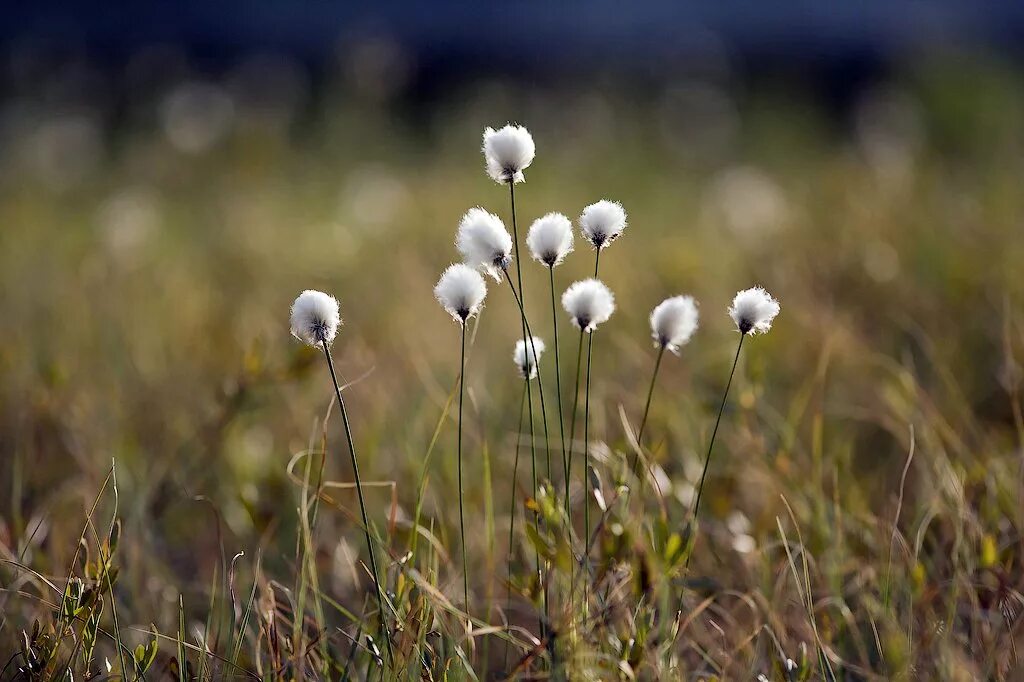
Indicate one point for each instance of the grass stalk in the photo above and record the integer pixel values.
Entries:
(512, 511)
(558, 376)
(643, 420)
(711, 444)
(462, 515)
(362, 504)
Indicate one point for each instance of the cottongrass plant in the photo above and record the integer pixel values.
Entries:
(315, 319)
(752, 311)
(673, 322)
(461, 291)
(589, 304)
(550, 240)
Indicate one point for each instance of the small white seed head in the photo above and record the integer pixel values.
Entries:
(527, 355)
(602, 223)
(550, 239)
(589, 303)
(508, 152)
(673, 322)
(484, 242)
(461, 291)
(753, 310)
(315, 318)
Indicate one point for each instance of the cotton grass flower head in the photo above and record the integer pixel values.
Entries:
(508, 152)
(673, 322)
(315, 318)
(589, 303)
(527, 357)
(461, 291)
(753, 310)
(484, 242)
(550, 239)
(603, 222)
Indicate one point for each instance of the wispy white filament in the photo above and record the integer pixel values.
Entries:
(589, 303)
(508, 152)
(484, 242)
(603, 222)
(315, 317)
(526, 358)
(673, 322)
(461, 291)
(550, 239)
(753, 310)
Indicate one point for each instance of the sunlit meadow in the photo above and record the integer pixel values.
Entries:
(177, 496)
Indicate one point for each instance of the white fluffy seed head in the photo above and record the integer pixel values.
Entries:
(484, 242)
(589, 303)
(602, 223)
(526, 356)
(753, 310)
(673, 322)
(461, 291)
(550, 239)
(508, 152)
(315, 318)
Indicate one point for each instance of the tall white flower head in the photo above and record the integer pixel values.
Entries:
(461, 291)
(484, 242)
(673, 322)
(550, 239)
(527, 357)
(603, 222)
(753, 310)
(589, 303)
(508, 152)
(315, 318)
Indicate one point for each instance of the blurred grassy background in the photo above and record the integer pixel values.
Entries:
(153, 236)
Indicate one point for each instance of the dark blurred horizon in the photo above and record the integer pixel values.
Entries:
(829, 48)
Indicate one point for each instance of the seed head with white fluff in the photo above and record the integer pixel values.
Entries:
(484, 242)
(673, 322)
(602, 223)
(753, 310)
(589, 303)
(315, 318)
(550, 239)
(461, 291)
(508, 152)
(527, 357)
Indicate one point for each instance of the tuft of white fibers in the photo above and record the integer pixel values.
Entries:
(526, 358)
(673, 322)
(589, 303)
(484, 242)
(603, 222)
(315, 317)
(550, 239)
(461, 291)
(753, 310)
(508, 152)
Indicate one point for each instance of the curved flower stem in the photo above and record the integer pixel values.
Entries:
(572, 419)
(528, 337)
(362, 505)
(586, 462)
(643, 421)
(462, 515)
(558, 380)
(707, 458)
(512, 510)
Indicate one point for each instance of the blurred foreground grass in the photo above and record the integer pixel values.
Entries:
(147, 262)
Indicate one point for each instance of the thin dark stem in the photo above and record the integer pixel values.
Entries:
(586, 439)
(462, 515)
(647, 410)
(512, 511)
(558, 379)
(597, 262)
(362, 504)
(711, 444)
(572, 419)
